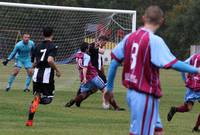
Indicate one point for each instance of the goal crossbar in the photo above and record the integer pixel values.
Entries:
(72, 25)
(65, 8)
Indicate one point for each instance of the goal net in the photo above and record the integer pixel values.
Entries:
(194, 49)
(72, 26)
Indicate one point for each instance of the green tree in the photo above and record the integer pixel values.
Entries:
(183, 27)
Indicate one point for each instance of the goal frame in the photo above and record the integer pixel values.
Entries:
(66, 8)
(50, 7)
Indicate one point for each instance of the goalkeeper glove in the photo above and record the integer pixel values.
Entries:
(5, 62)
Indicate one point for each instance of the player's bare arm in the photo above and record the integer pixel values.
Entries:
(53, 65)
(84, 75)
(101, 50)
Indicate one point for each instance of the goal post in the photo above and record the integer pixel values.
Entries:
(194, 49)
(72, 26)
(8, 37)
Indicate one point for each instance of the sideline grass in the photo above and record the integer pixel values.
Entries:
(90, 119)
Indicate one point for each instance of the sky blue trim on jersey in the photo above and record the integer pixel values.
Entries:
(21, 50)
(188, 59)
(183, 76)
(160, 53)
(86, 60)
(118, 51)
(111, 74)
(183, 67)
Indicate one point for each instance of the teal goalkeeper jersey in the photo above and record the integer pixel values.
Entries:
(22, 51)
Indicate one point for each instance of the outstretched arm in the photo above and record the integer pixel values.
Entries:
(111, 74)
(183, 67)
(13, 53)
(51, 60)
(163, 58)
(183, 74)
(53, 65)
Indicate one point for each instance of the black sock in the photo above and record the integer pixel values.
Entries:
(31, 116)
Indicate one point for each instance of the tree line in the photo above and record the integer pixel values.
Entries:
(181, 27)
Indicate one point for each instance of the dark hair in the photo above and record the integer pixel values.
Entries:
(154, 15)
(104, 38)
(84, 46)
(47, 31)
(25, 33)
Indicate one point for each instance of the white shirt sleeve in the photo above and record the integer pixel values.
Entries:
(118, 51)
(86, 60)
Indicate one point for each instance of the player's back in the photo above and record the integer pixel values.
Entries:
(43, 73)
(193, 80)
(42, 52)
(139, 73)
(83, 60)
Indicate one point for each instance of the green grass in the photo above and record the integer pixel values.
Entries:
(90, 119)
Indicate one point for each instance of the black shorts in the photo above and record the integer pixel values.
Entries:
(44, 89)
(102, 76)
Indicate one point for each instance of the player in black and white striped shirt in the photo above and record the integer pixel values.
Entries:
(43, 78)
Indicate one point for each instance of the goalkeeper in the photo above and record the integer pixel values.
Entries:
(21, 52)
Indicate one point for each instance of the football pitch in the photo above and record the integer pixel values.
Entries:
(90, 118)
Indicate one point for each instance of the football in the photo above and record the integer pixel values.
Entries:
(105, 105)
